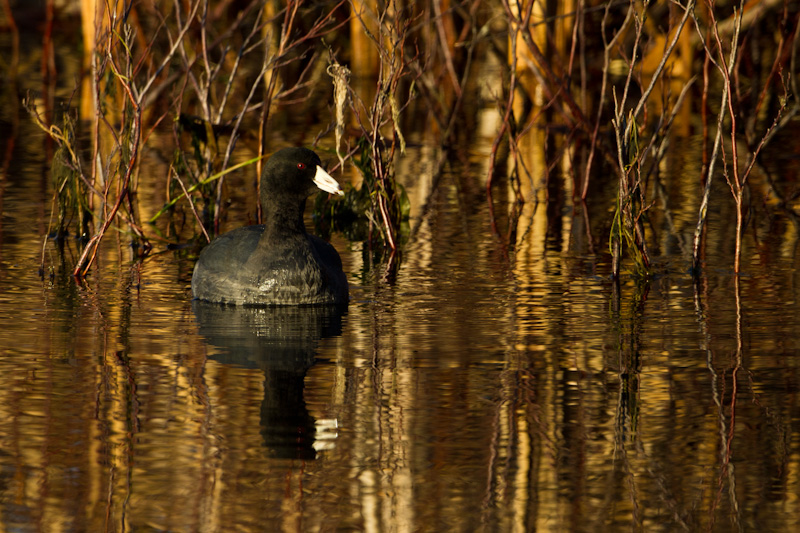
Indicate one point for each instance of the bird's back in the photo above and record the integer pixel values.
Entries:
(240, 268)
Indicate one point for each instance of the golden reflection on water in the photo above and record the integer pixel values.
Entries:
(483, 390)
(469, 395)
(480, 391)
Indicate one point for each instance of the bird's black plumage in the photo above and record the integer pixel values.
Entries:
(278, 262)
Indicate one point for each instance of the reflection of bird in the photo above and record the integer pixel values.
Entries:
(278, 262)
(281, 341)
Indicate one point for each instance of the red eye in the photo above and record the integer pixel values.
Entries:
(301, 166)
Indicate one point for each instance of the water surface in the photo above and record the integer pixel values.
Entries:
(477, 391)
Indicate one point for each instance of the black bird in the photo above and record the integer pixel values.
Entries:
(278, 262)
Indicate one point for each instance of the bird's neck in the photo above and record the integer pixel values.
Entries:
(283, 222)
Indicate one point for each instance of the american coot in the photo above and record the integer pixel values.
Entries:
(276, 263)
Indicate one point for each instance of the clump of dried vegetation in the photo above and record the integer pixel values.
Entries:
(607, 81)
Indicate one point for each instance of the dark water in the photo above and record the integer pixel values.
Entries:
(481, 389)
